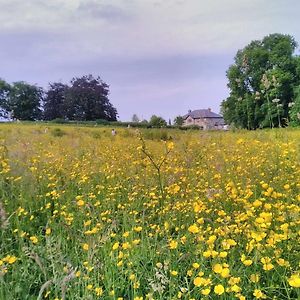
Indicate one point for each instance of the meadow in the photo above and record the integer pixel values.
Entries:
(150, 214)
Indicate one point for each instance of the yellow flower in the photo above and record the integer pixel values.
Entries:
(48, 231)
(235, 288)
(225, 273)
(258, 294)
(223, 254)
(193, 229)
(174, 273)
(268, 267)
(126, 245)
(170, 146)
(217, 268)
(294, 281)
(219, 289)
(10, 259)
(80, 202)
(196, 266)
(198, 281)
(173, 245)
(126, 234)
(34, 239)
(120, 263)
(115, 246)
(77, 274)
(136, 241)
(85, 247)
(138, 228)
(254, 278)
(205, 292)
(98, 291)
(247, 262)
(131, 276)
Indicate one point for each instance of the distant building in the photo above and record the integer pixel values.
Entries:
(205, 119)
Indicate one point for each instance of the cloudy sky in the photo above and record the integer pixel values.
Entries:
(158, 56)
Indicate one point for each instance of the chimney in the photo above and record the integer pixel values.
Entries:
(209, 109)
(189, 111)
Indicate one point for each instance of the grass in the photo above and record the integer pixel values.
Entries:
(148, 214)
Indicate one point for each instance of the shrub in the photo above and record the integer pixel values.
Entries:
(57, 132)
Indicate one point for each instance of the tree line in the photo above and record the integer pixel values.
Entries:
(83, 99)
(264, 84)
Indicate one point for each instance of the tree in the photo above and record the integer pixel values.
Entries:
(178, 121)
(135, 118)
(261, 83)
(295, 108)
(54, 102)
(87, 100)
(4, 93)
(24, 101)
(156, 121)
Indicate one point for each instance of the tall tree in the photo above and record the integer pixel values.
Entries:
(178, 121)
(4, 93)
(261, 83)
(295, 108)
(24, 101)
(87, 100)
(156, 121)
(54, 102)
(135, 118)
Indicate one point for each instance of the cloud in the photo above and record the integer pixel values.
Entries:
(99, 10)
(149, 51)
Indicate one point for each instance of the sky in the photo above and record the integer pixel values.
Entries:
(160, 57)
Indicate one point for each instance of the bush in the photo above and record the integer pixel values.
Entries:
(59, 121)
(57, 132)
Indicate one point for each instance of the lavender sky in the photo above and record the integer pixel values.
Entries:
(159, 57)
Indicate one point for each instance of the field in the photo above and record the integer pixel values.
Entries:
(197, 215)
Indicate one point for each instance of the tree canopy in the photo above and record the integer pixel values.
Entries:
(24, 101)
(54, 103)
(84, 99)
(156, 121)
(261, 82)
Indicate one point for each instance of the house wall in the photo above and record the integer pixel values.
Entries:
(189, 121)
(205, 123)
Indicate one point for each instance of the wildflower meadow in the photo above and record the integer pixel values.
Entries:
(149, 214)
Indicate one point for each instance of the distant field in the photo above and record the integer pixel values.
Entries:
(197, 215)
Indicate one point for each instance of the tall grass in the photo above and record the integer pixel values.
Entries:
(84, 215)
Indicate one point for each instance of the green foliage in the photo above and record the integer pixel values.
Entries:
(24, 101)
(178, 121)
(295, 109)
(261, 82)
(4, 92)
(156, 121)
(54, 102)
(57, 132)
(156, 134)
(87, 100)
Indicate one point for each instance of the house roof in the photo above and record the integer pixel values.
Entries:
(202, 113)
